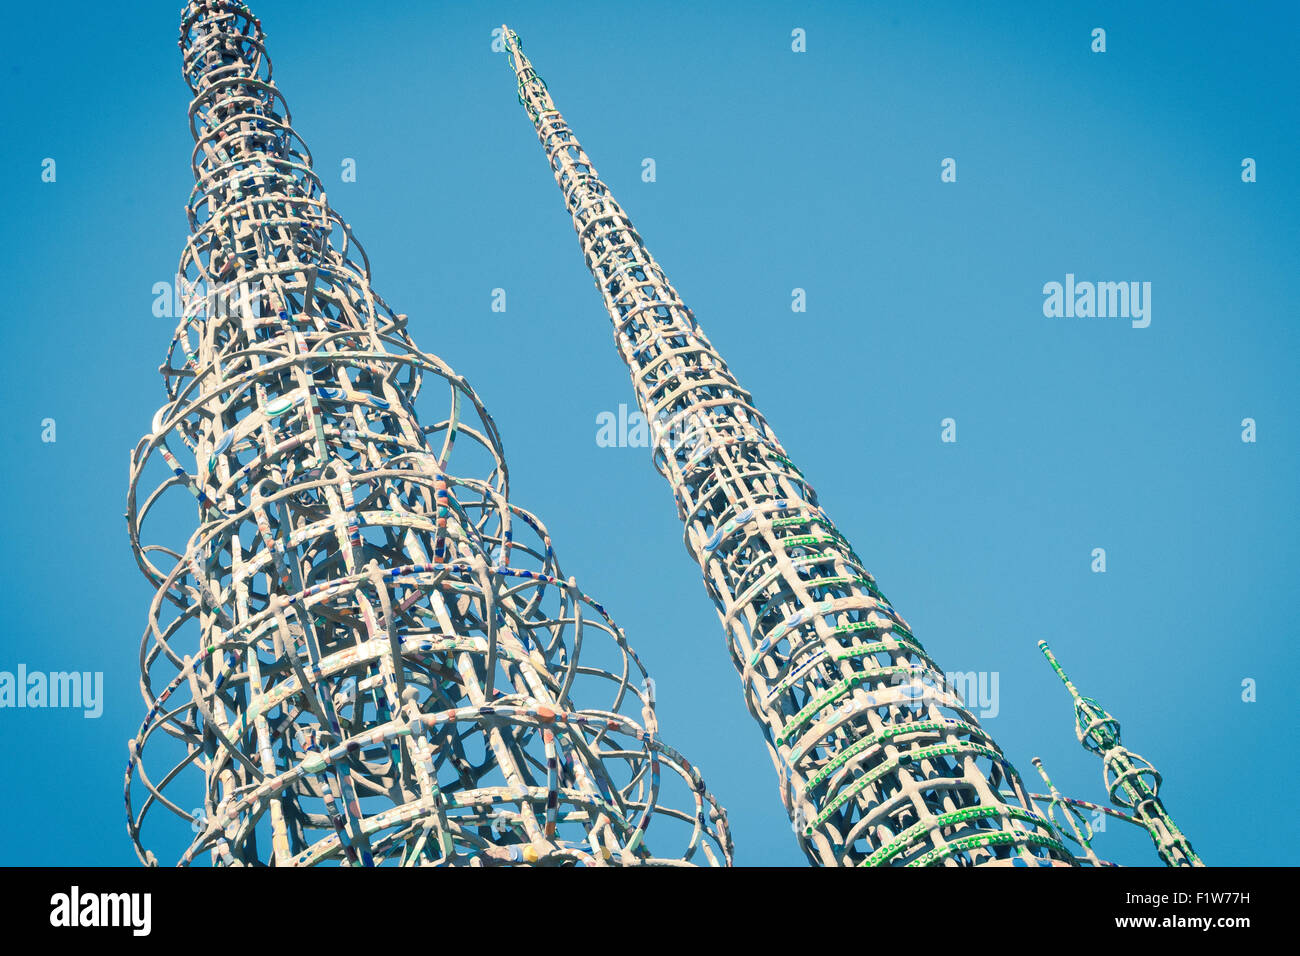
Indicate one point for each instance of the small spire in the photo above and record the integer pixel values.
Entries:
(1131, 781)
(1060, 671)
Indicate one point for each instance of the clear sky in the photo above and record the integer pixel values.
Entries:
(775, 170)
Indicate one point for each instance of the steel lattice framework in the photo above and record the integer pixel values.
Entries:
(367, 658)
(880, 762)
(1131, 781)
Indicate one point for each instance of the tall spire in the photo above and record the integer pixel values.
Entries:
(365, 658)
(879, 759)
(1131, 781)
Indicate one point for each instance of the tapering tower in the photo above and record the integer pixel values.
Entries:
(1131, 781)
(358, 657)
(880, 762)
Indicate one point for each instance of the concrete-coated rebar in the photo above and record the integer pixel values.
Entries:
(879, 761)
(359, 656)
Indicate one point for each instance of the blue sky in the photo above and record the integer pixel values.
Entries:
(775, 170)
